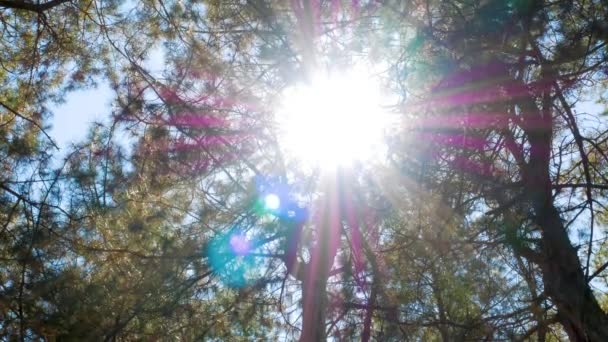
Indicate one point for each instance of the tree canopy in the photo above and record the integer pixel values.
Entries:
(189, 213)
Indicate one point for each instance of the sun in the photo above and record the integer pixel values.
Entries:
(334, 119)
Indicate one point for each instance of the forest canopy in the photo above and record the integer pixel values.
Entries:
(416, 170)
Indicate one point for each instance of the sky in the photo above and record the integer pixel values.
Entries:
(72, 119)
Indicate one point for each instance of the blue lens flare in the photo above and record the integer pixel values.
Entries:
(230, 258)
(234, 256)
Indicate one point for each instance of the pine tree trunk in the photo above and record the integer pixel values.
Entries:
(564, 281)
(563, 277)
(313, 309)
(314, 285)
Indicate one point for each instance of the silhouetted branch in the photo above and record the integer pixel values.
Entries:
(31, 6)
(33, 122)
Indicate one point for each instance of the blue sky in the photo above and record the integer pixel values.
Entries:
(72, 119)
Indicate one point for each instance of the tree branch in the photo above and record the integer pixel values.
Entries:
(580, 185)
(30, 6)
(571, 120)
(597, 272)
(32, 121)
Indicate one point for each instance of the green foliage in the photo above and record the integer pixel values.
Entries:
(455, 237)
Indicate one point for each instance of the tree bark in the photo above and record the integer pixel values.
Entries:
(565, 283)
(314, 284)
(314, 307)
(563, 277)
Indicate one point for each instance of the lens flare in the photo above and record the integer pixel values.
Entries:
(272, 202)
(240, 244)
(230, 257)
